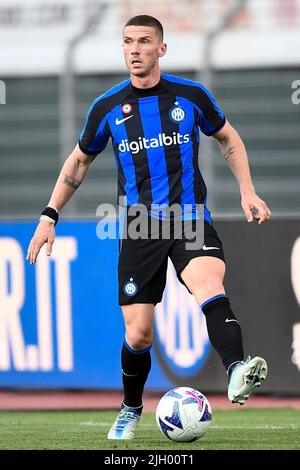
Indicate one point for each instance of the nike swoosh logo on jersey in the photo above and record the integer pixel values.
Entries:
(227, 320)
(205, 248)
(119, 121)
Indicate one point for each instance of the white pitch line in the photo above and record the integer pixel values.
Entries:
(150, 426)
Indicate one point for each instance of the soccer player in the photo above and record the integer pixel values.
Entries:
(154, 120)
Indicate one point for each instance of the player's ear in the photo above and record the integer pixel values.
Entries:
(162, 49)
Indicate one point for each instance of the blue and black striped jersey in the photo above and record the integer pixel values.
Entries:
(155, 137)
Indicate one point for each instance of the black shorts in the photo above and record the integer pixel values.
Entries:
(142, 265)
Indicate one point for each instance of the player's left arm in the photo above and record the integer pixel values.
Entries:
(234, 152)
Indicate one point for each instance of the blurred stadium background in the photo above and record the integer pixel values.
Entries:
(60, 326)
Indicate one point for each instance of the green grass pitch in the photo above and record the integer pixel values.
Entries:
(239, 429)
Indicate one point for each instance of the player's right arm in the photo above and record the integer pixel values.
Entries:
(92, 141)
(71, 176)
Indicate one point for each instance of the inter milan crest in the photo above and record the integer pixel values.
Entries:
(130, 288)
(126, 108)
(177, 113)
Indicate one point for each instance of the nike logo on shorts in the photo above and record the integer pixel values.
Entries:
(205, 248)
(227, 320)
(119, 121)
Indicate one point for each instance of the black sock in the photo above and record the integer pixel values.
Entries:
(223, 329)
(135, 369)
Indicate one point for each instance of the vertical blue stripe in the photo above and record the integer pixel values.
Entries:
(9, 275)
(150, 117)
(125, 158)
(186, 151)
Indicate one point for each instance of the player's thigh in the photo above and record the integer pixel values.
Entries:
(138, 319)
(204, 275)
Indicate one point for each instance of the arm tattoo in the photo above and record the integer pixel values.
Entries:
(229, 153)
(72, 182)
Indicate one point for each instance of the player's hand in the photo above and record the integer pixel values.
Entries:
(45, 233)
(255, 208)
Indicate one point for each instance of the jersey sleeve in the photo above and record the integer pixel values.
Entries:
(211, 117)
(94, 136)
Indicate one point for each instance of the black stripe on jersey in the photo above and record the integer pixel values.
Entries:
(172, 152)
(135, 132)
(98, 112)
(198, 96)
(120, 176)
(199, 185)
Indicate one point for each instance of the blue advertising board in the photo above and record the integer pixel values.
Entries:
(61, 326)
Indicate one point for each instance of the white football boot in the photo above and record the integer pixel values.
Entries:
(125, 423)
(245, 377)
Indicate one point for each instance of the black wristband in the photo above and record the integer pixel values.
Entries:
(52, 213)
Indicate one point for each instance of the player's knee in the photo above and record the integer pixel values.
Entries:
(139, 338)
(207, 288)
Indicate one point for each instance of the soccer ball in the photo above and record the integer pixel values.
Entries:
(183, 414)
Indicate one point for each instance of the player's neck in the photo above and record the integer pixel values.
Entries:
(146, 82)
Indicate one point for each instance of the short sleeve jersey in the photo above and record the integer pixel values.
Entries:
(155, 136)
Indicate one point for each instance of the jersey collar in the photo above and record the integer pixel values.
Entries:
(155, 90)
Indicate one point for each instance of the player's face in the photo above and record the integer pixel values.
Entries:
(142, 48)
